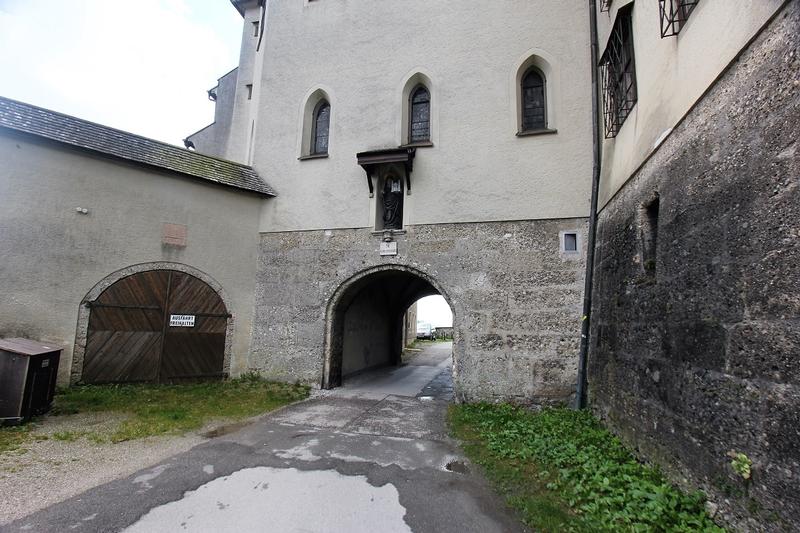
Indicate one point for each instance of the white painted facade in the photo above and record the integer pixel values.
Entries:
(673, 73)
(366, 59)
(54, 256)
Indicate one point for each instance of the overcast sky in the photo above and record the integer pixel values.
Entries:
(435, 311)
(142, 66)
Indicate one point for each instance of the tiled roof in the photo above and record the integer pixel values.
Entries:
(42, 122)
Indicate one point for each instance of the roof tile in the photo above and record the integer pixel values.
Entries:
(70, 130)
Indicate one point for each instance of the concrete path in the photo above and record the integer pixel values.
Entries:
(372, 456)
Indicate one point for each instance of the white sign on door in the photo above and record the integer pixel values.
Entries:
(181, 321)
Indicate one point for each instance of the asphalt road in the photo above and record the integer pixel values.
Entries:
(371, 456)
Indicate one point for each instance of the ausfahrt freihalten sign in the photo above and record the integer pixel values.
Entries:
(181, 321)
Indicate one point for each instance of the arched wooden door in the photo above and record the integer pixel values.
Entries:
(159, 325)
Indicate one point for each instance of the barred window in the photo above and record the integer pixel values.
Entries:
(419, 115)
(605, 5)
(533, 102)
(674, 14)
(618, 69)
(322, 122)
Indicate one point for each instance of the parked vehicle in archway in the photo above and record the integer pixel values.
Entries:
(424, 330)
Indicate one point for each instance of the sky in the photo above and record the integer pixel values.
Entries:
(435, 311)
(142, 66)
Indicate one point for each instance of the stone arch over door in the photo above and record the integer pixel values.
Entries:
(213, 316)
(393, 288)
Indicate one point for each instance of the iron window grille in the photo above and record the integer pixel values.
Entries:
(605, 5)
(618, 71)
(674, 14)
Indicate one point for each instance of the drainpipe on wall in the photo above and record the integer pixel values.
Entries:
(580, 401)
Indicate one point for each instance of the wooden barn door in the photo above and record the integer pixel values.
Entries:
(155, 326)
(199, 350)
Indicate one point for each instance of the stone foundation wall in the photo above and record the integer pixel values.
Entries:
(516, 300)
(698, 353)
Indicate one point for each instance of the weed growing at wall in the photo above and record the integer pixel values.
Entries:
(564, 472)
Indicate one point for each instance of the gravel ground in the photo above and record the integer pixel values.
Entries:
(45, 472)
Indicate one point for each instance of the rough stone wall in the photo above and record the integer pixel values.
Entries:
(700, 355)
(516, 300)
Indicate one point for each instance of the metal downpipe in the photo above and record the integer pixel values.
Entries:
(581, 393)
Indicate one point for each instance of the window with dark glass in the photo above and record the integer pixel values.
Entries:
(419, 115)
(533, 103)
(618, 70)
(570, 242)
(674, 14)
(322, 123)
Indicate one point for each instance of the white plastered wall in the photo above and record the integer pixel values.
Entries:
(478, 169)
(673, 73)
(52, 255)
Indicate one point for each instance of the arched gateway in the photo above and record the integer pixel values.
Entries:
(155, 325)
(364, 319)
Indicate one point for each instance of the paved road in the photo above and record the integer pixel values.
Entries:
(372, 456)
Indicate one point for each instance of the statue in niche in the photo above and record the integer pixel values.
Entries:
(392, 203)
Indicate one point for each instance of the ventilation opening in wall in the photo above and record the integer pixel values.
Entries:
(249, 88)
(570, 242)
(649, 224)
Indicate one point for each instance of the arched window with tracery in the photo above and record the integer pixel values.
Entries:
(322, 124)
(419, 114)
(534, 106)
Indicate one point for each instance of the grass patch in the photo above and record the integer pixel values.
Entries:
(68, 436)
(564, 472)
(13, 437)
(170, 409)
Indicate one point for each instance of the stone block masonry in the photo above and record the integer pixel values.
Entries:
(696, 352)
(516, 300)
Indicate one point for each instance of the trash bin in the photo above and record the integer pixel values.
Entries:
(28, 371)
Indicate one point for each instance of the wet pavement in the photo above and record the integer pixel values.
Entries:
(361, 458)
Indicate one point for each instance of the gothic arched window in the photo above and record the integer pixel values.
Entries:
(419, 114)
(533, 101)
(322, 124)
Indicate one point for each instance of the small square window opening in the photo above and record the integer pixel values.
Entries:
(570, 242)
(255, 28)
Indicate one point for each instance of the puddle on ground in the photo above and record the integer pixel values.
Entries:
(275, 500)
(224, 430)
(459, 467)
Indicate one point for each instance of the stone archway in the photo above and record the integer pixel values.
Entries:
(84, 310)
(364, 318)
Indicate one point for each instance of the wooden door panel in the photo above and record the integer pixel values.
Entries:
(189, 355)
(192, 295)
(122, 319)
(206, 324)
(119, 356)
(129, 337)
(145, 289)
(199, 350)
